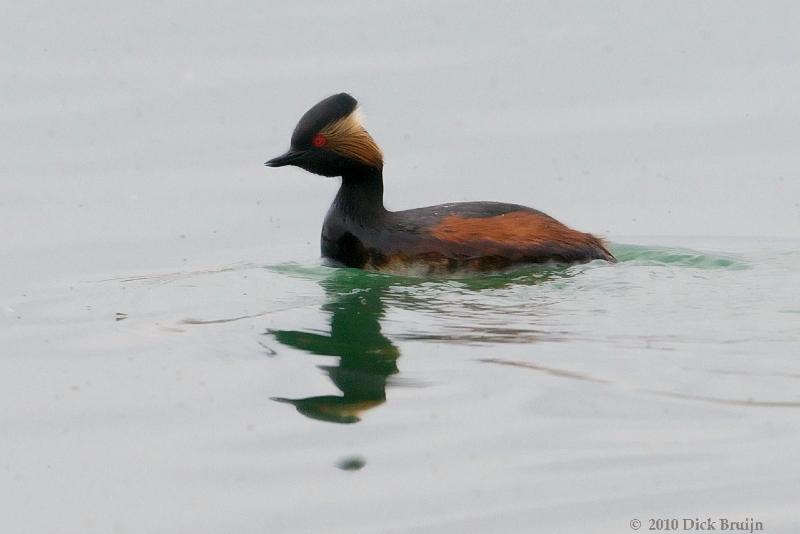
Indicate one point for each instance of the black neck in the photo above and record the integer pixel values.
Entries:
(361, 195)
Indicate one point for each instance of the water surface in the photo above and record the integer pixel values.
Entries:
(175, 360)
(301, 398)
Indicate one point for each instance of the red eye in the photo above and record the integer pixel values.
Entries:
(319, 140)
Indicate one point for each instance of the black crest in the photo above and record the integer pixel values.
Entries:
(323, 113)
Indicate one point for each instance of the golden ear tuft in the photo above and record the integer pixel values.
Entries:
(347, 137)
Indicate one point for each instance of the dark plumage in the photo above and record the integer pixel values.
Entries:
(359, 232)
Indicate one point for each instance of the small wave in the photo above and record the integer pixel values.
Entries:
(350, 278)
(297, 270)
(680, 257)
(523, 274)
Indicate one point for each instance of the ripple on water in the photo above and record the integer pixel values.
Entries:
(637, 324)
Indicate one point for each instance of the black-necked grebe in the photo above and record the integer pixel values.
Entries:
(359, 232)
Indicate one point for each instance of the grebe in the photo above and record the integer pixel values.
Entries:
(359, 232)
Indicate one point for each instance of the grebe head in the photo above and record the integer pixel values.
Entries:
(330, 140)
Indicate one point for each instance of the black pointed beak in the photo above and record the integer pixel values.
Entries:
(290, 158)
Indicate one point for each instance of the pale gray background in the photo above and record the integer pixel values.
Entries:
(131, 181)
(125, 126)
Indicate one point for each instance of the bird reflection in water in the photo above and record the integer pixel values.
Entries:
(367, 358)
(356, 302)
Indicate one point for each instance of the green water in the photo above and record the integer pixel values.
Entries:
(307, 398)
(490, 310)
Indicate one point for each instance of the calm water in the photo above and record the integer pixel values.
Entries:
(301, 398)
(174, 358)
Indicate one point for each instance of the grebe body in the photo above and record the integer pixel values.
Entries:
(473, 236)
